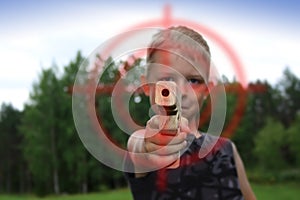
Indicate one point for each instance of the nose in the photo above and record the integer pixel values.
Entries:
(183, 87)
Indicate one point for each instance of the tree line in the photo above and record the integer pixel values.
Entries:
(41, 152)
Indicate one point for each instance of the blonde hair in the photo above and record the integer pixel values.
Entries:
(183, 41)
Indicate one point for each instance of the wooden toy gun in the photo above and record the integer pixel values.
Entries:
(168, 101)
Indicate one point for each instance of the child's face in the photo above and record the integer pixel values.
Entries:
(170, 67)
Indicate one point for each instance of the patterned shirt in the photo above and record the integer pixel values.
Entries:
(213, 177)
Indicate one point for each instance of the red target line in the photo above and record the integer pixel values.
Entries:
(165, 22)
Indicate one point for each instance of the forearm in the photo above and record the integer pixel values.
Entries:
(135, 146)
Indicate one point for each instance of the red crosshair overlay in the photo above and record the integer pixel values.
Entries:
(166, 22)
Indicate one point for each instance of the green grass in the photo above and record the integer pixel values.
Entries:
(123, 194)
(283, 191)
(288, 191)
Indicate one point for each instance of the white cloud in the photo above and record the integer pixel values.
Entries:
(17, 97)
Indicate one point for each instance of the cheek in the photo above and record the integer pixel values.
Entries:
(200, 93)
(201, 88)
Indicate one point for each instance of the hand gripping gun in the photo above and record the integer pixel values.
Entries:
(168, 101)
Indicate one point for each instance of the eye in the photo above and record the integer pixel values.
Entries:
(194, 81)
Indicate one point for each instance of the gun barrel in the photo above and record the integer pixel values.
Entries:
(167, 98)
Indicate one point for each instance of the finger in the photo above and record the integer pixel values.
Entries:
(152, 127)
(162, 161)
(164, 150)
(156, 125)
(154, 122)
(171, 149)
(162, 139)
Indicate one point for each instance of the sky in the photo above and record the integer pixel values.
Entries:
(35, 34)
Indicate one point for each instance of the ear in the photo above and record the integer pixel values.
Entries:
(145, 85)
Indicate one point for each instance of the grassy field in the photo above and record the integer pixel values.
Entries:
(122, 194)
(263, 191)
(287, 191)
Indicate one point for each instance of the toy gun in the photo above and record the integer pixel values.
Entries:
(168, 101)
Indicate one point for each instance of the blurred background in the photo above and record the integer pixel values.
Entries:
(43, 44)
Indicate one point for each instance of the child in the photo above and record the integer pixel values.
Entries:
(181, 55)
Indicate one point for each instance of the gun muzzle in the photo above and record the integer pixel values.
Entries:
(167, 98)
